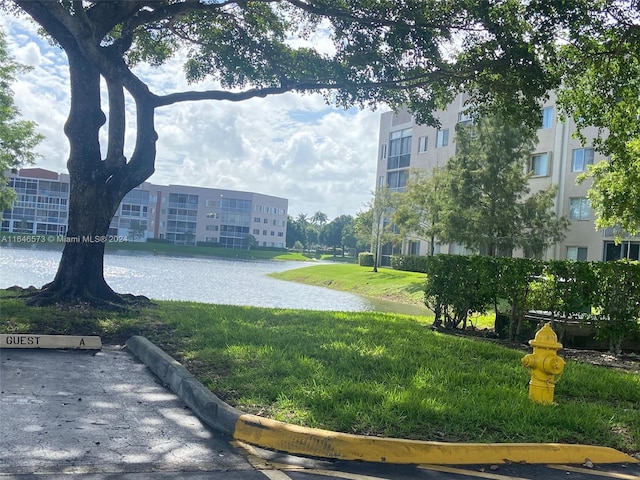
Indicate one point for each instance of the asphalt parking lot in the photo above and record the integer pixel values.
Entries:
(101, 413)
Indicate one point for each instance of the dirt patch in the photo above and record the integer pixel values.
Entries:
(629, 362)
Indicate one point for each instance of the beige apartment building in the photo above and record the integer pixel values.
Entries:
(182, 215)
(558, 158)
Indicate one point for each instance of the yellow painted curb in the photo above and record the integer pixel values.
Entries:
(314, 442)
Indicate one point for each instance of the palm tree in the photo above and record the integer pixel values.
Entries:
(319, 219)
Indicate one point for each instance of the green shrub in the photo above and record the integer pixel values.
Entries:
(209, 244)
(157, 240)
(456, 286)
(409, 263)
(618, 301)
(366, 259)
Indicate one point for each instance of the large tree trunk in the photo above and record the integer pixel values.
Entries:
(80, 277)
(97, 187)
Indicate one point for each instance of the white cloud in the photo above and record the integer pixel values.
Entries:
(294, 146)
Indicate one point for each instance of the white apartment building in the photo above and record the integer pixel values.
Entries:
(558, 158)
(182, 215)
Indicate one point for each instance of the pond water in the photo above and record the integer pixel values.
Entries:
(208, 280)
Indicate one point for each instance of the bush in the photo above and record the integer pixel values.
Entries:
(158, 240)
(457, 285)
(409, 263)
(366, 259)
(209, 244)
(618, 302)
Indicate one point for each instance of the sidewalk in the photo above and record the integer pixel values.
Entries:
(102, 413)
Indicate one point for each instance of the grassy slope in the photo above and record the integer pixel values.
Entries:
(386, 284)
(406, 287)
(369, 373)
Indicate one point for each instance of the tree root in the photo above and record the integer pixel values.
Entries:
(80, 298)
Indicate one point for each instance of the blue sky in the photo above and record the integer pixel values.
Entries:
(295, 146)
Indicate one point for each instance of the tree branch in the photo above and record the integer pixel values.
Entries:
(41, 13)
(115, 150)
(307, 86)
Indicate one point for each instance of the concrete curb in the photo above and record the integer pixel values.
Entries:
(314, 442)
(204, 404)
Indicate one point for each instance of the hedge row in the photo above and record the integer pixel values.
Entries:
(366, 259)
(409, 263)
(606, 293)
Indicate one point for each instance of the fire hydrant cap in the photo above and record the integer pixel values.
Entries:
(546, 338)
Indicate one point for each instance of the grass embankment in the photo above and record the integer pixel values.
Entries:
(393, 285)
(387, 284)
(366, 373)
(157, 248)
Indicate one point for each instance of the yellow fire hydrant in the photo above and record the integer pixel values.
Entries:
(545, 365)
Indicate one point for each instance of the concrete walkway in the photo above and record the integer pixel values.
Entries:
(102, 415)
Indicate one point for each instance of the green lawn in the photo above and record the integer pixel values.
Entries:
(386, 284)
(394, 285)
(364, 372)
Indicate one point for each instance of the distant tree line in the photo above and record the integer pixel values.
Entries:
(340, 235)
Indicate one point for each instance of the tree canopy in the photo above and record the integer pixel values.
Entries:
(599, 65)
(17, 137)
(411, 52)
(483, 200)
(418, 211)
(381, 208)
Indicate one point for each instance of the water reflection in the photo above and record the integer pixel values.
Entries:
(208, 280)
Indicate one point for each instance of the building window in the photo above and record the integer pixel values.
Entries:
(211, 228)
(397, 180)
(423, 143)
(465, 117)
(256, 219)
(256, 231)
(442, 138)
(625, 249)
(399, 149)
(579, 208)
(577, 253)
(383, 152)
(266, 220)
(281, 234)
(264, 232)
(539, 165)
(547, 117)
(581, 158)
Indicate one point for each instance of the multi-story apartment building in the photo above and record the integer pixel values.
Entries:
(179, 214)
(558, 158)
